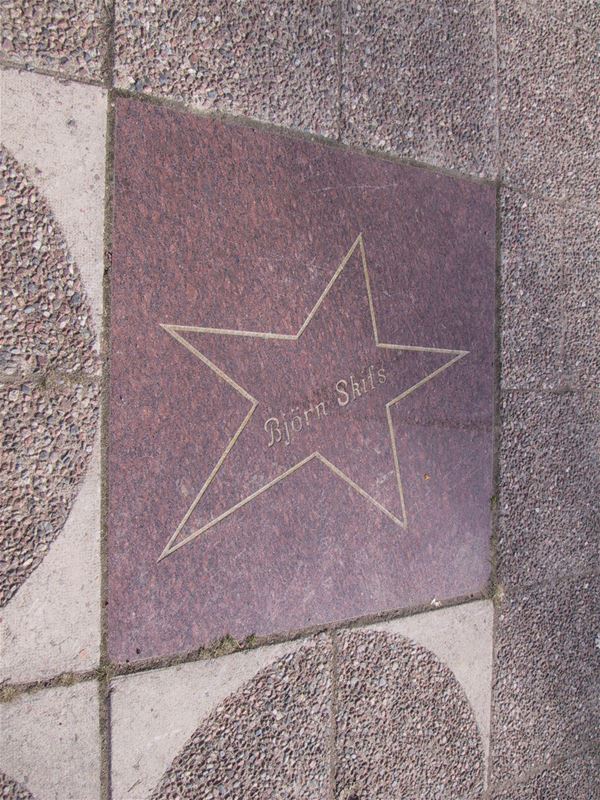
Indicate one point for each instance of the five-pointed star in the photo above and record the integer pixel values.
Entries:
(325, 393)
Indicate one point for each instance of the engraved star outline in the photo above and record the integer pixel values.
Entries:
(176, 330)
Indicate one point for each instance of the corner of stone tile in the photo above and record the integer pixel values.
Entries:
(49, 742)
(154, 713)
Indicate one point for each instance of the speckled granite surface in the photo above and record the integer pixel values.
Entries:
(225, 227)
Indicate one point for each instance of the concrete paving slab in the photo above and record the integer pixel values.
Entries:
(418, 79)
(546, 702)
(572, 779)
(382, 716)
(13, 790)
(275, 62)
(549, 465)
(257, 724)
(154, 714)
(404, 726)
(52, 624)
(69, 38)
(582, 13)
(548, 102)
(462, 638)
(53, 137)
(50, 744)
(58, 129)
(582, 297)
(532, 292)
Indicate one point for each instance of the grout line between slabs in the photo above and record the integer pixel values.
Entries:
(104, 672)
(495, 589)
(298, 134)
(61, 77)
(295, 133)
(498, 165)
(590, 747)
(226, 646)
(561, 202)
(516, 590)
(108, 62)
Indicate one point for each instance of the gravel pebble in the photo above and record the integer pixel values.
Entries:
(276, 62)
(11, 790)
(69, 37)
(46, 320)
(50, 394)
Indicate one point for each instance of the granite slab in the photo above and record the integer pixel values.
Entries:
(301, 383)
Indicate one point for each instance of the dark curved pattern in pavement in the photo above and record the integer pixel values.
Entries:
(403, 728)
(268, 740)
(11, 790)
(49, 392)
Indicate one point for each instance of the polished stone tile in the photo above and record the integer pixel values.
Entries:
(546, 675)
(549, 110)
(50, 744)
(308, 518)
(549, 486)
(418, 79)
(68, 37)
(275, 62)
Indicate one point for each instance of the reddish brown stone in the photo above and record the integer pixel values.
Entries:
(229, 228)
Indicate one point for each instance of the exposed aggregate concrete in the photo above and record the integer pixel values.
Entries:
(46, 318)
(404, 725)
(549, 103)
(532, 293)
(276, 62)
(418, 80)
(549, 493)
(68, 36)
(11, 790)
(574, 779)
(403, 728)
(581, 235)
(547, 661)
(47, 436)
(267, 740)
(48, 365)
(583, 13)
